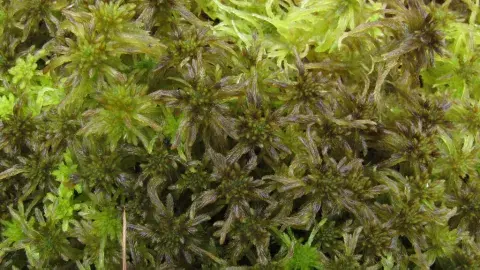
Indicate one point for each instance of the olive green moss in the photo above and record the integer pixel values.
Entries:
(268, 134)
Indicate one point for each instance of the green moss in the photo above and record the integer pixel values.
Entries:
(273, 134)
(304, 257)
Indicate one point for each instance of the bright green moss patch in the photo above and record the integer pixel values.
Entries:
(271, 134)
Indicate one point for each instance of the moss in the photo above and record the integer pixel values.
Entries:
(280, 134)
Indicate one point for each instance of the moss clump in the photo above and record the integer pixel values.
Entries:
(280, 134)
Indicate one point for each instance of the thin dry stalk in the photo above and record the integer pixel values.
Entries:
(124, 241)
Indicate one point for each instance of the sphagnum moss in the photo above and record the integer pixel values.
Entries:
(280, 134)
